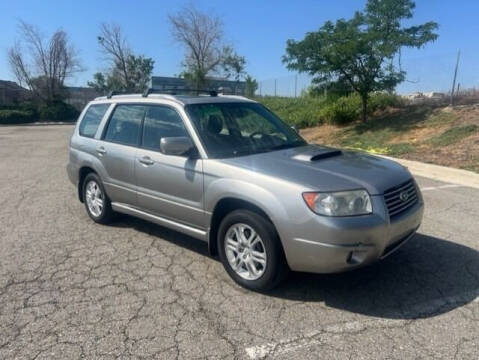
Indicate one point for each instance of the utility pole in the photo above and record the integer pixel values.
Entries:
(455, 76)
(275, 87)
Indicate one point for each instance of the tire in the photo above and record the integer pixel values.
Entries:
(249, 253)
(93, 191)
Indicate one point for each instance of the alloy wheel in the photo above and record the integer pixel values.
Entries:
(94, 198)
(245, 251)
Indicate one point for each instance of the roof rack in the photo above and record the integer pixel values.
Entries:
(212, 93)
(178, 91)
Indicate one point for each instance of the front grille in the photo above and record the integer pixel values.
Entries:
(400, 198)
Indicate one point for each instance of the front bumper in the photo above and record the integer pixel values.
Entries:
(329, 245)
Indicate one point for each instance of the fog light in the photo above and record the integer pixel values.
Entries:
(356, 257)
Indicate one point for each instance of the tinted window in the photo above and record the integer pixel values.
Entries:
(161, 121)
(125, 123)
(92, 119)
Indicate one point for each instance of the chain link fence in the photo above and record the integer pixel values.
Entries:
(424, 75)
(288, 86)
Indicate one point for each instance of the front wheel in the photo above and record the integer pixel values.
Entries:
(250, 250)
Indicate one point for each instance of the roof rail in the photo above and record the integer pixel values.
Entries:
(117, 92)
(232, 96)
(179, 91)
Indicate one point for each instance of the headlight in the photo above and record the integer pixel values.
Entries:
(345, 203)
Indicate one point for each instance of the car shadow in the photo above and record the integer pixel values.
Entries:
(426, 277)
(161, 232)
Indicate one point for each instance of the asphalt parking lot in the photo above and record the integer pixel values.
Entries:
(72, 289)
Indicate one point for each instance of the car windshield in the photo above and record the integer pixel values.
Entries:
(240, 128)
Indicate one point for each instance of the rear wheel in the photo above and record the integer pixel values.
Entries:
(97, 203)
(250, 250)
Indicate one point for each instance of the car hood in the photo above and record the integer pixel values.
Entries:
(326, 169)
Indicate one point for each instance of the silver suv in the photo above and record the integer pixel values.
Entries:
(227, 171)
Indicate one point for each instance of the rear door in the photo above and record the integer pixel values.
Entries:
(168, 186)
(117, 149)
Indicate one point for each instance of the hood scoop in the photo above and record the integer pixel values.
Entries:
(315, 156)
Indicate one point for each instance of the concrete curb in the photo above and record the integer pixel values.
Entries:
(440, 173)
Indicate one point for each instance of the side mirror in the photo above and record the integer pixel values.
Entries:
(295, 128)
(175, 145)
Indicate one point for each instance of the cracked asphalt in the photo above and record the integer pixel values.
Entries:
(72, 289)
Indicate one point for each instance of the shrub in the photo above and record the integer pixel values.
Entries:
(382, 101)
(16, 116)
(342, 111)
(301, 112)
(309, 110)
(347, 109)
(57, 111)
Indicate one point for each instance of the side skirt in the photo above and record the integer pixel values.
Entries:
(186, 229)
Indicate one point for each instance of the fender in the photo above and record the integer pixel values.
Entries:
(222, 188)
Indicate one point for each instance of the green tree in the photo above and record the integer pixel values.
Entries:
(362, 51)
(99, 83)
(251, 86)
(127, 72)
(233, 64)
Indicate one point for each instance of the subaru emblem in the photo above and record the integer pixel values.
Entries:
(404, 196)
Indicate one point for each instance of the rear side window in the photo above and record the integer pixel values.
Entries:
(160, 122)
(92, 119)
(124, 125)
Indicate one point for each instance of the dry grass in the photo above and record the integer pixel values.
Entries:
(445, 136)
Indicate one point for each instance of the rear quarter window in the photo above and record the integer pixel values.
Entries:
(91, 120)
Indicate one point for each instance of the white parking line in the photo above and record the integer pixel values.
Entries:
(430, 188)
(284, 346)
(313, 338)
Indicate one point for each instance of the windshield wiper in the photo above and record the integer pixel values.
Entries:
(286, 146)
(250, 151)
(242, 152)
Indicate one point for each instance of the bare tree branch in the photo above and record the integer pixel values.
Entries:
(201, 35)
(115, 47)
(43, 67)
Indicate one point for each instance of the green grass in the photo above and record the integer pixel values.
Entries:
(453, 135)
(400, 149)
(307, 111)
(440, 118)
(302, 112)
(375, 135)
(379, 134)
(474, 167)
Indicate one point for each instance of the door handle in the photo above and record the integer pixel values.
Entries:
(146, 160)
(101, 150)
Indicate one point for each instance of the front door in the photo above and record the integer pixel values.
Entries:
(168, 186)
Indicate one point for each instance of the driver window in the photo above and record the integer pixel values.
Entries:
(161, 121)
